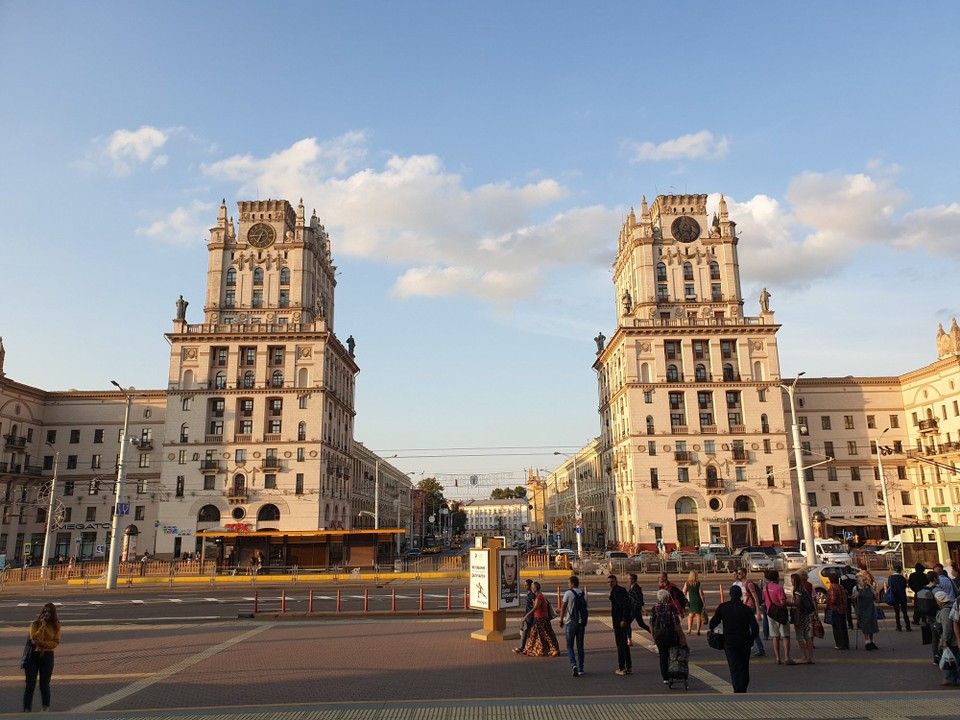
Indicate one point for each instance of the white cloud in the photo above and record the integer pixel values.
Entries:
(183, 226)
(125, 149)
(491, 241)
(693, 146)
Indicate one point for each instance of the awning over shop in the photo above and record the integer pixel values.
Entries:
(856, 522)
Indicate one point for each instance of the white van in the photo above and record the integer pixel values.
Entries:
(828, 551)
(891, 546)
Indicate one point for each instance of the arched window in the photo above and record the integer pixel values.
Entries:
(284, 276)
(687, 271)
(700, 373)
(661, 272)
(239, 484)
(326, 515)
(184, 433)
(644, 372)
(276, 380)
(728, 372)
(672, 374)
(231, 276)
(744, 503)
(248, 379)
(302, 431)
(650, 428)
(268, 513)
(764, 424)
(258, 276)
(711, 472)
(685, 505)
(220, 381)
(303, 376)
(758, 371)
(714, 271)
(209, 513)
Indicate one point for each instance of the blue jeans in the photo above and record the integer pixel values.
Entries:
(574, 634)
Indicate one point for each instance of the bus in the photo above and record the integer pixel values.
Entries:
(930, 545)
(430, 545)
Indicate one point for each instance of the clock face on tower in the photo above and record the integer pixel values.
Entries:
(261, 235)
(685, 229)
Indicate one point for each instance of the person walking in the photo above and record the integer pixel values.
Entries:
(693, 591)
(665, 630)
(804, 610)
(525, 624)
(837, 602)
(751, 598)
(948, 640)
(636, 600)
(573, 619)
(778, 616)
(897, 587)
(542, 641)
(740, 630)
(621, 613)
(866, 609)
(44, 637)
(679, 599)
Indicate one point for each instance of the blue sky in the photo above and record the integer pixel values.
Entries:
(472, 163)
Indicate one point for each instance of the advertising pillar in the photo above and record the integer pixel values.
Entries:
(494, 587)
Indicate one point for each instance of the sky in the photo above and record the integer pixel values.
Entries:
(473, 163)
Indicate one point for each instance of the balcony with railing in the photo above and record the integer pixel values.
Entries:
(145, 444)
(213, 438)
(238, 495)
(678, 429)
(272, 437)
(740, 455)
(32, 470)
(928, 426)
(270, 463)
(708, 429)
(738, 429)
(209, 466)
(246, 438)
(683, 457)
(714, 487)
(14, 442)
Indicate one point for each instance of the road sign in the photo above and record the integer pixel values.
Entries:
(101, 549)
(579, 523)
(579, 531)
(123, 508)
(558, 539)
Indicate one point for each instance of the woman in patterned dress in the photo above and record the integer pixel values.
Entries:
(542, 641)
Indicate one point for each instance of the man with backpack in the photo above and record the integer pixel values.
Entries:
(751, 598)
(676, 594)
(574, 614)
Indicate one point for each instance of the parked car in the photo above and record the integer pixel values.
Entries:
(757, 561)
(613, 561)
(792, 560)
(818, 578)
(767, 550)
(711, 549)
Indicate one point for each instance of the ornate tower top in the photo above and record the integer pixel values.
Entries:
(948, 343)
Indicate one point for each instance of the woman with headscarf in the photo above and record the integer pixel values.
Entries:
(44, 637)
(866, 610)
(542, 640)
(666, 630)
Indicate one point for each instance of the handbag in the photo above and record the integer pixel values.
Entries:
(888, 597)
(817, 627)
(551, 613)
(828, 616)
(27, 652)
(715, 639)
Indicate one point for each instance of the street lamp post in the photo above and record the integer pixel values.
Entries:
(805, 519)
(376, 492)
(578, 525)
(50, 507)
(113, 565)
(883, 488)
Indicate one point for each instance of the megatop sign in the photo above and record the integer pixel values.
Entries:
(86, 526)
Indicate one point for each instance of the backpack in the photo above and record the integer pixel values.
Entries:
(678, 597)
(579, 613)
(806, 604)
(663, 631)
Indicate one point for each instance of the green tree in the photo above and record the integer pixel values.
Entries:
(433, 497)
(497, 494)
(519, 491)
(458, 518)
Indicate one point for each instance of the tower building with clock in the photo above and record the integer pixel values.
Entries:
(693, 440)
(260, 401)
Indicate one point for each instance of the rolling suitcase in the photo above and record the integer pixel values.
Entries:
(678, 666)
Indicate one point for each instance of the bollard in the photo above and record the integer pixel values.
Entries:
(338, 599)
(366, 600)
(449, 599)
(256, 602)
(721, 592)
(283, 601)
(393, 600)
(421, 599)
(310, 603)
(466, 599)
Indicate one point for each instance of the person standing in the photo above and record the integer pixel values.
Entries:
(751, 598)
(621, 613)
(926, 608)
(779, 617)
(917, 582)
(542, 641)
(574, 625)
(636, 600)
(693, 591)
(897, 585)
(45, 637)
(945, 582)
(947, 638)
(740, 630)
(665, 630)
(804, 610)
(866, 609)
(525, 623)
(837, 602)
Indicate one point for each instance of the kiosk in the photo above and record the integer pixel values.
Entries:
(494, 587)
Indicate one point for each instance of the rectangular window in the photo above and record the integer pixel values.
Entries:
(905, 498)
(740, 474)
(276, 406)
(771, 477)
(240, 456)
(216, 427)
(851, 447)
(219, 356)
(185, 404)
(825, 422)
(654, 479)
(95, 462)
(300, 454)
(710, 447)
(648, 396)
(230, 298)
(705, 400)
(767, 446)
(894, 421)
(71, 462)
(144, 460)
(179, 490)
(298, 488)
(901, 472)
(828, 449)
(94, 487)
(284, 298)
(733, 400)
(812, 499)
(182, 457)
(854, 473)
(683, 475)
(74, 437)
(831, 474)
(246, 427)
(92, 513)
(808, 474)
(728, 349)
(48, 462)
(956, 408)
(98, 436)
(139, 512)
(68, 487)
(51, 436)
(257, 298)
(270, 481)
(848, 422)
(676, 400)
(898, 446)
(276, 355)
(762, 394)
(275, 427)
(248, 356)
(858, 499)
(652, 447)
(802, 422)
(916, 420)
(700, 349)
(246, 408)
(872, 422)
(834, 499)
(716, 292)
(68, 514)
(209, 482)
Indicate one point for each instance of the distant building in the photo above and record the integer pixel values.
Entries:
(490, 518)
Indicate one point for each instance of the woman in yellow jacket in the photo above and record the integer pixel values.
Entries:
(45, 636)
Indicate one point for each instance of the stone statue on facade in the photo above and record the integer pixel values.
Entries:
(182, 309)
(943, 342)
(3, 354)
(351, 346)
(765, 301)
(600, 339)
(627, 302)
